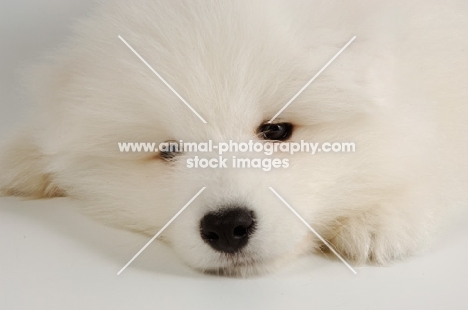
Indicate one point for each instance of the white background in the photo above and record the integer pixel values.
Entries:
(51, 257)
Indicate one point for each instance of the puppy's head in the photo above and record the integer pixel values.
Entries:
(237, 225)
(237, 74)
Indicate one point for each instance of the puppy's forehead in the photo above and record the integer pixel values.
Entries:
(234, 94)
(233, 75)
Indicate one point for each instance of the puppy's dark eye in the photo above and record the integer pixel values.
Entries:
(278, 131)
(168, 150)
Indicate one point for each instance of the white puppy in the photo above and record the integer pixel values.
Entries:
(399, 92)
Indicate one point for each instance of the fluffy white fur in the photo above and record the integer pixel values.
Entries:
(399, 92)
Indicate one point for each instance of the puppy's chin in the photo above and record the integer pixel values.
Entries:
(241, 265)
(243, 269)
(238, 271)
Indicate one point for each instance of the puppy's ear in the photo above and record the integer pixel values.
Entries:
(22, 170)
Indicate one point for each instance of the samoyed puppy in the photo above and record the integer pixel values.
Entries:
(398, 92)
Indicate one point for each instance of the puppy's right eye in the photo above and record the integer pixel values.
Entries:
(276, 131)
(169, 149)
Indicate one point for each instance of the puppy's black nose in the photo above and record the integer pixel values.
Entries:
(227, 230)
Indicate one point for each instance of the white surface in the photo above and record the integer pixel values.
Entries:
(54, 258)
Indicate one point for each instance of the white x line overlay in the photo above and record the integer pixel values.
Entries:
(162, 79)
(162, 229)
(313, 230)
(312, 79)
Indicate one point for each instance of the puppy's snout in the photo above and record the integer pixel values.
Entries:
(228, 230)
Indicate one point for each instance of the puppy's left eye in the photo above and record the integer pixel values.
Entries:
(278, 131)
(171, 149)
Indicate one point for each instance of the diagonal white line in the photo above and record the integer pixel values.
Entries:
(162, 229)
(313, 230)
(312, 79)
(162, 79)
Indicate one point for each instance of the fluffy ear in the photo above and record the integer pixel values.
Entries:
(22, 170)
